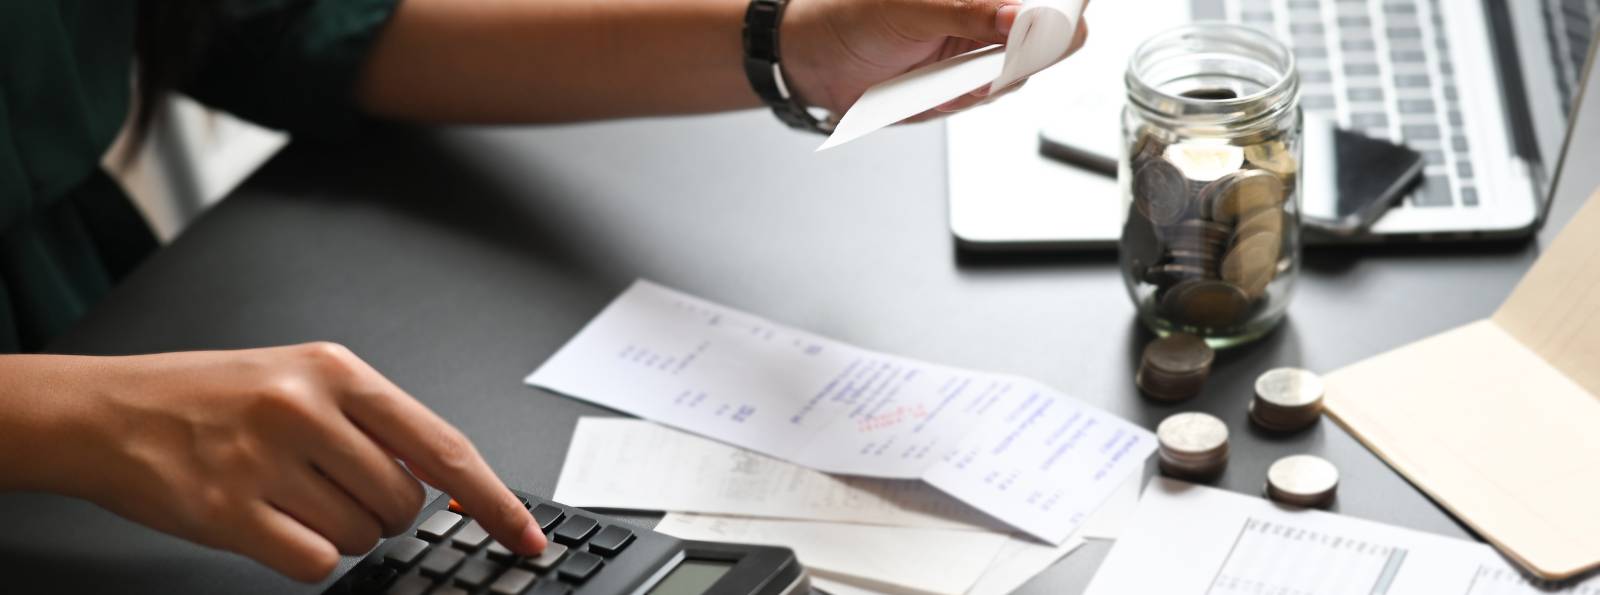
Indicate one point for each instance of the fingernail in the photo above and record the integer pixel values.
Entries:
(1004, 17)
(533, 540)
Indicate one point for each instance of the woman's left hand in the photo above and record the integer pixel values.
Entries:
(833, 50)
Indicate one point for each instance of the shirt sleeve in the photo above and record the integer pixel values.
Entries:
(289, 64)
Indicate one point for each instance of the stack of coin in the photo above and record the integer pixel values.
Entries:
(1194, 446)
(1287, 400)
(1302, 480)
(1206, 227)
(1174, 367)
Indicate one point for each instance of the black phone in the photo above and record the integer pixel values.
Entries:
(1352, 179)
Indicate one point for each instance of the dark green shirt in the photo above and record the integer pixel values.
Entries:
(67, 231)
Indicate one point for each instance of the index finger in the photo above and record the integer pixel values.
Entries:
(441, 455)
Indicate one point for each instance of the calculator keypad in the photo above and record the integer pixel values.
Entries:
(449, 553)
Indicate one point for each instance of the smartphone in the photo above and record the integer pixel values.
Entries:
(1351, 179)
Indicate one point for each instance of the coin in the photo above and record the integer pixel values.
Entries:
(1167, 275)
(1204, 161)
(1140, 247)
(1174, 368)
(1253, 263)
(1286, 400)
(1290, 387)
(1193, 445)
(1179, 353)
(1273, 156)
(1146, 147)
(1192, 433)
(1302, 480)
(1261, 220)
(1160, 191)
(1206, 303)
(1241, 192)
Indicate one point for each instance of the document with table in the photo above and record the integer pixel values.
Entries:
(1194, 539)
(1010, 447)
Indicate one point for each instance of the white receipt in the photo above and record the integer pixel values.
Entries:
(886, 559)
(1041, 36)
(1018, 451)
(635, 464)
(623, 463)
(1204, 540)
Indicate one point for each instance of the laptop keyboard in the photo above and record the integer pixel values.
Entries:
(1379, 67)
(1571, 25)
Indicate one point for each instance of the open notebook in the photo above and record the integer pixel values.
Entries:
(1499, 420)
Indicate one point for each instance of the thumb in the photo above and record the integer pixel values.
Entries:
(987, 21)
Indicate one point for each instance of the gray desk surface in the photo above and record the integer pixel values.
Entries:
(455, 261)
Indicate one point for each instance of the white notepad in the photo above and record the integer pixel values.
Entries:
(1499, 420)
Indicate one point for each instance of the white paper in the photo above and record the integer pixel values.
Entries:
(1017, 450)
(1193, 539)
(887, 559)
(1040, 37)
(635, 464)
(616, 462)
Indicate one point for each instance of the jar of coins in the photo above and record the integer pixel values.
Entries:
(1210, 244)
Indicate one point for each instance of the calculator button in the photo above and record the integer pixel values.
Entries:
(545, 561)
(372, 580)
(476, 572)
(455, 507)
(470, 536)
(610, 540)
(439, 525)
(547, 516)
(524, 501)
(404, 551)
(550, 587)
(513, 582)
(575, 530)
(579, 566)
(411, 584)
(499, 552)
(440, 562)
(450, 590)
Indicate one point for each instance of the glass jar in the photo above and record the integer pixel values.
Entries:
(1210, 243)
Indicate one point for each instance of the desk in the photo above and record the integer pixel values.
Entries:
(455, 261)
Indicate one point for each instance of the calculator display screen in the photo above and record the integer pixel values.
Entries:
(692, 577)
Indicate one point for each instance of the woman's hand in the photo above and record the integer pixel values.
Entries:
(286, 455)
(833, 50)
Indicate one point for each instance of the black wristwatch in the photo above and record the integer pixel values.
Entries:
(761, 66)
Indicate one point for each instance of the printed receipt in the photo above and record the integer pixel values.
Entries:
(1017, 450)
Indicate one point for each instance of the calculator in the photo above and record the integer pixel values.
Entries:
(448, 553)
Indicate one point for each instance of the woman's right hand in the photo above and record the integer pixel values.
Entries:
(287, 455)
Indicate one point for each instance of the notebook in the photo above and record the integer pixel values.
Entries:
(1499, 420)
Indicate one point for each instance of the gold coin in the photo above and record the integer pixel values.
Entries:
(1204, 161)
(1242, 192)
(1253, 263)
(1273, 156)
(1269, 220)
(1206, 303)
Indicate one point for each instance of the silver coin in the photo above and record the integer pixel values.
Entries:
(1302, 480)
(1192, 433)
(1290, 388)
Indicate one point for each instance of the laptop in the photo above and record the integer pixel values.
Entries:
(1482, 88)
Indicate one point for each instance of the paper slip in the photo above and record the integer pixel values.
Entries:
(1496, 420)
(1193, 539)
(877, 559)
(1016, 450)
(1041, 36)
(634, 464)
